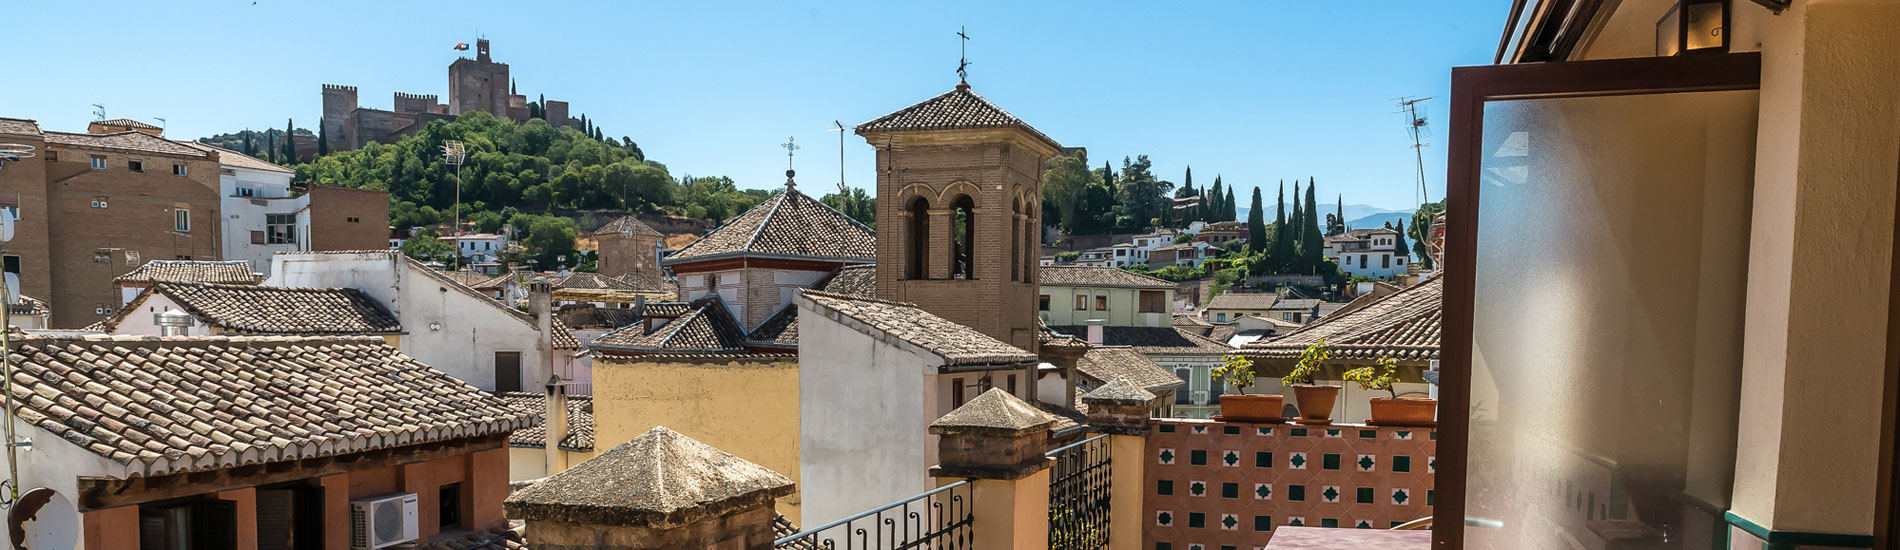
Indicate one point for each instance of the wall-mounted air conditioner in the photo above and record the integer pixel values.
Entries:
(382, 521)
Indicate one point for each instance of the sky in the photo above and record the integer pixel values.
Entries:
(1257, 91)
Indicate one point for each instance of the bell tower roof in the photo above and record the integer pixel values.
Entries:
(958, 109)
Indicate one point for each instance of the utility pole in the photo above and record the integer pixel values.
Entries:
(454, 152)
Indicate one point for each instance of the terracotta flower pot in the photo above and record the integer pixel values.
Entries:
(1315, 402)
(1404, 411)
(1251, 408)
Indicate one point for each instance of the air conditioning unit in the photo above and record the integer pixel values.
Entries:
(382, 521)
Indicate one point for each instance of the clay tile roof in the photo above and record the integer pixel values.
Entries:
(192, 271)
(580, 421)
(29, 306)
(788, 225)
(164, 406)
(640, 281)
(852, 280)
(125, 123)
(238, 159)
(666, 310)
(1305, 304)
(1111, 363)
(1193, 321)
(563, 336)
(471, 279)
(958, 109)
(584, 280)
(1404, 325)
(781, 329)
(19, 126)
(661, 478)
(1243, 300)
(1155, 340)
(995, 411)
(955, 344)
(274, 310)
(495, 281)
(1100, 277)
(134, 141)
(707, 327)
(1119, 391)
(628, 225)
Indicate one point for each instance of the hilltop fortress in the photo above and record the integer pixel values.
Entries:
(478, 84)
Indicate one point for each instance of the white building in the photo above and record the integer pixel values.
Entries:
(902, 368)
(479, 248)
(255, 196)
(464, 333)
(1380, 253)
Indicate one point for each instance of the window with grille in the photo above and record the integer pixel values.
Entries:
(181, 220)
(280, 228)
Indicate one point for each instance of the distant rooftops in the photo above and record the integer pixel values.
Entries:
(628, 225)
(1100, 277)
(954, 343)
(192, 271)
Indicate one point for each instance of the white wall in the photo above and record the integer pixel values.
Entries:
(141, 322)
(445, 328)
(56, 464)
(242, 215)
(870, 449)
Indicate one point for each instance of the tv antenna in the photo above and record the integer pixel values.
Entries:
(1416, 127)
(963, 55)
(454, 152)
(98, 111)
(839, 127)
(161, 123)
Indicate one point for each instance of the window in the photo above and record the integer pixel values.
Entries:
(956, 393)
(352, 219)
(1081, 302)
(1362, 261)
(52, 156)
(1012, 384)
(281, 228)
(449, 503)
(1153, 301)
(246, 192)
(98, 202)
(11, 264)
(181, 220)
(1385, 261)
(917, 240)
(507, 371)
(1043, 303)
(963, 245)
(1220, 317)
(98, 162)
(1101, 303)
(178, 169)
(1181, 394)
(257, 237)
(135, 165)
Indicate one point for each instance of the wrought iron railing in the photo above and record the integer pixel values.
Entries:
(939, 518)
(1078, 495)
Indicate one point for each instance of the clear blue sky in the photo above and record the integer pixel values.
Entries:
(1256, 91)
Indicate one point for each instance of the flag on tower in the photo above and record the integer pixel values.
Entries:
(461, 46)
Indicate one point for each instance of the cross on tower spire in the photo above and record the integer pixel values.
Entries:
(791, 147)
(963, 55)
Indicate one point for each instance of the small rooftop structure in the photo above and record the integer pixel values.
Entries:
(789, 225)
(192, 271)
(955, 344)
(1404, 325)
(659, 480)
(628, 225)
(270, 310)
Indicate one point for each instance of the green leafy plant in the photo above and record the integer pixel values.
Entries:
(1377, 377)
(1310, 360)
(1236, 371)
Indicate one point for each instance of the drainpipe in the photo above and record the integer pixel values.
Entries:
(172, 322)
(540, 305)
(554, 419)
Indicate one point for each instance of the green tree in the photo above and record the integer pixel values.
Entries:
(1294, 234)
(290, 141)
(1402, 250)
(323, 140)
(1311, 243)
(427, 246)
(854, 203)
(1282, 247)
(250, 147)
(1257, 224)
(549, 241)
(1421, 229)
(1233, 212)
(270, 146)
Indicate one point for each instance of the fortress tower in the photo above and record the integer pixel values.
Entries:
(959, 180)
(478, 84)
(338, 102)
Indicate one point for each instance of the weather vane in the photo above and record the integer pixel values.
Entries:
(791, 147)
(963, 55)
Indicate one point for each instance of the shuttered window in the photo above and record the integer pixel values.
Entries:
(276, 515)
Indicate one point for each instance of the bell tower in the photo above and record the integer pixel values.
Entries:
(960, 182)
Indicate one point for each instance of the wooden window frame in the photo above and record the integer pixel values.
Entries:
(1471, 88)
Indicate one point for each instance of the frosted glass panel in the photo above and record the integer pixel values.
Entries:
(1611, 262)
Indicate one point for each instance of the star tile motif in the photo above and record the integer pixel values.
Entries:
(1431, 465)
(1366, 463)
(1164, 518)
(1200, 429)
(1197, 488)
(1263, 491)
(1228, 522)
(1167, 456)
(1230, 458)
(1332, 432)
(1399, 496)
(1264, 431)
(1331, 494)
(1297, 461)
(1363, 524)
(1405, 435)
(1296, 522)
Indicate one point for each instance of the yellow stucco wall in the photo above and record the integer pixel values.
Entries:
(745, 405)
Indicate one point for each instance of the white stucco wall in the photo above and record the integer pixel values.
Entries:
(862, 421)
(242, 215)
(141, 321)
(454, 332)
(56, 464)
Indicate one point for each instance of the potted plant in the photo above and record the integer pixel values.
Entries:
(1394, 410)
(1237, 371)
(1315, 401)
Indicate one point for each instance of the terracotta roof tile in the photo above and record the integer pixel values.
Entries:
(584, 280)
(125, 123)
(956, 344)
(580, 421)
(272, 399)
(852, 280)
(471, 279)
(628, 225)
(138, 142)
(790, 224)
(192, 271)
(640, 281)
(1404, 325)
(1243, 300)
(650, 480)
(273, 310)
(707, 327)
(958, 109)
(1154, 340)
(1110, 363)
(29, 306)
(781, 329)
(1099, 277)
(238, 159)
(19, 126)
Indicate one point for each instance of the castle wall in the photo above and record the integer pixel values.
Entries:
(338, 102)
(414, 103)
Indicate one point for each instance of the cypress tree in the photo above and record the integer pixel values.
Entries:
(1282, 247)
(1257, 225)
(544, 106)
(1310, 234)
(290, 143)
(1216, 209)
(1295, 237)
(250, 147)
(270, 146)
(1232, 210)
(1400, 248)
(323, 141)
(1342, 212)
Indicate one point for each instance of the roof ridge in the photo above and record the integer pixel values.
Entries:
(782, 196)
(856, 298)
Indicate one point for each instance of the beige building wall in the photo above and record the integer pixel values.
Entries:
(137, 221)
(744, 405)
(1124, 306)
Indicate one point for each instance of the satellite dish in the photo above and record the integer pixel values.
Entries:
(13, 288)
(43, 519)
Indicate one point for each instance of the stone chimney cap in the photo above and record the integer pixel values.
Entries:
(659, 479)
(1119, 392)
(996, 412)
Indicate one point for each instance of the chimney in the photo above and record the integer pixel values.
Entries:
(1095, 331)
(540, 306)
(172, 322)
(554, 420)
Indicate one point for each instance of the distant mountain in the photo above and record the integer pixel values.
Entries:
(1358, 216)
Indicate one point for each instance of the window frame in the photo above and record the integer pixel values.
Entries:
(135, 166)
(98, 162)
(181, 220)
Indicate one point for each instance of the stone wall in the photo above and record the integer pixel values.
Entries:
(1216, 484)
